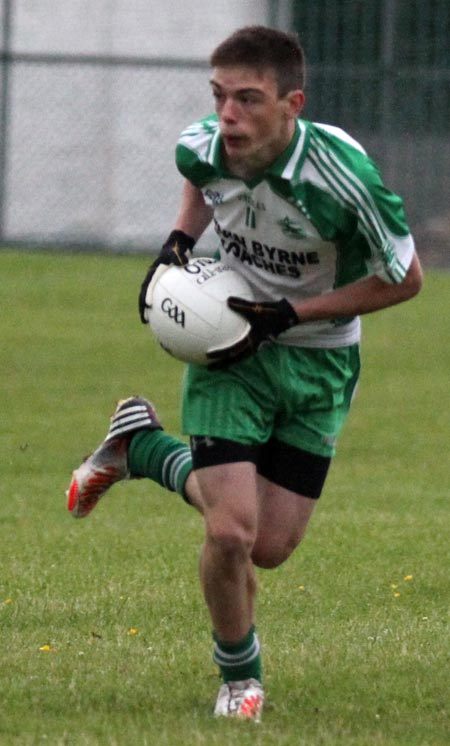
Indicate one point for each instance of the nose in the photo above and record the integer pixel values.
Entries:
(229, 111)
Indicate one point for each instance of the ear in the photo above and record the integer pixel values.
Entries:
(295, 100)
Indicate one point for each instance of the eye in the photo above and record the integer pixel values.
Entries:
(249, 99)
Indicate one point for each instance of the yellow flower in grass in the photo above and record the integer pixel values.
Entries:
(132, 631)
(46, 648)
(394, 586)
(396, 595)
(301, 587)
(409, 577)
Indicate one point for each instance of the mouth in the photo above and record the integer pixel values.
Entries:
(233, 141)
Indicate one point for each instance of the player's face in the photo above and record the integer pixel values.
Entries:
(256, 124)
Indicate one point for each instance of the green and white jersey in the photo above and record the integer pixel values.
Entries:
(317, 219)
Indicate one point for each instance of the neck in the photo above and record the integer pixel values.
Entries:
(253, 165)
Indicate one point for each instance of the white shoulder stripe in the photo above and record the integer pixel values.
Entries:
(354, 194)
(199, 143)
(198, 139)
(353, 190)
(213, 146)
(341, 134)
(289, 169)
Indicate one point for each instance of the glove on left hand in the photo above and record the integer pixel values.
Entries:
(267, 321)
(176, 251)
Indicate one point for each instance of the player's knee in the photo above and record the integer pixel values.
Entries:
(269, 560)
(269, 555)
(231, 539)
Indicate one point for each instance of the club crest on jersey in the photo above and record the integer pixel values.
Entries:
(216, 198)
(291, 228)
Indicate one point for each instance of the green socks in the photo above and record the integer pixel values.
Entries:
(159, 456)
(241, 660)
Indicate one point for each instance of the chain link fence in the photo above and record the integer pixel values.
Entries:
(94, 163)
(87, 141)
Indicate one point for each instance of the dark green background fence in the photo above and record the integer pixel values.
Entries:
(86, 141)
(379, 65)
(381, 70)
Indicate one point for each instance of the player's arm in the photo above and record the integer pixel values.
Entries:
(194, 215)
(268, 320)
(362, 297)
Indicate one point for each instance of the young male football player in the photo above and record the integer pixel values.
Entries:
(302, 213)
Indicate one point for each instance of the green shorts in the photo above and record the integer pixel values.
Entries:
(296, 395)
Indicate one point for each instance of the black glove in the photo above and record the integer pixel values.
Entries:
(176, 251)
(267, 321)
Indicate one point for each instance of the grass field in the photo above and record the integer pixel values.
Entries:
(104, 635)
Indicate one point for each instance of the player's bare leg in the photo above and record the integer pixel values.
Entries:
(228, 494)
(193, 493)
(230, 511)
(283, 517)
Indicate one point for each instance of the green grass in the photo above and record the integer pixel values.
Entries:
(346, 661)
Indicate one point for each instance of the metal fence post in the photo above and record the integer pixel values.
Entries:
(5, 58)
(387, 71)
(280, 14)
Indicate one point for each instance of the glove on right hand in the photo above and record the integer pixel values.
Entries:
(267, 321)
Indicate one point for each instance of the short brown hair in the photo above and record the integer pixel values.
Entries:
(262, 47)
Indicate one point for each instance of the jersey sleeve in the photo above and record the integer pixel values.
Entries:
(382, 222)
(373, 216)
(194, 153)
